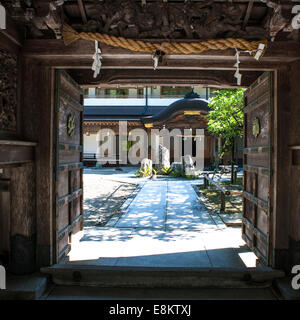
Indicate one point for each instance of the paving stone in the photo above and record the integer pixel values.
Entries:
(164, 225)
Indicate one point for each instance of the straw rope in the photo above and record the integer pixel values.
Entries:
(70, 36)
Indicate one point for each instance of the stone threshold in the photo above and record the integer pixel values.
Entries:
(27, 287)
(162, 277)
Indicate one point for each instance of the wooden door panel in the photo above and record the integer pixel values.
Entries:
(69, 157)
(263, 138)
(76, 180)
(63, 185)
(69, 166)
(263, 187)
(70, 87)
(259, 89)
(249, 210)
(262, 220)
(257, 196)
(63, 216)
(69, 115)
(257, 159)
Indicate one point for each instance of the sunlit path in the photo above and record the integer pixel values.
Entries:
(164, 225)
(148, 209)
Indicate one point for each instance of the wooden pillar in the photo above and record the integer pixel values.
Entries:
(38, 112)
(293, 170)
(22, 222)
(280, 216)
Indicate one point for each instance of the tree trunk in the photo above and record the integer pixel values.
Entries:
(232, 161)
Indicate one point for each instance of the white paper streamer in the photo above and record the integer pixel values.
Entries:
(97, 60)
(155, 58)
(258, 53)
(237, 74)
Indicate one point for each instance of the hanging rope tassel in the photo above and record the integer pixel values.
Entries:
(70, 36)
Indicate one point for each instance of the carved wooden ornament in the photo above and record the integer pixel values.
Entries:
(256, 127)
(71, 125)
(8, 91)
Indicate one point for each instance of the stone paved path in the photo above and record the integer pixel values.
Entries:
(164, 225)
(103, 195)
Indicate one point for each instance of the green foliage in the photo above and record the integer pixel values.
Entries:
(166, 171)
(143, 173)
(154, 171)
(191, 176)
(146, 172)
(226, 116)
(176, 173)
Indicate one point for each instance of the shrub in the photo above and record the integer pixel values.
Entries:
(145, 173)
(176, 173)
(191, 176)
(166, 171)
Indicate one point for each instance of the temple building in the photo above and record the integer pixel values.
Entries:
(151, 108)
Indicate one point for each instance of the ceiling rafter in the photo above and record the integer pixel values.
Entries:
(82, 11)
(248, 13)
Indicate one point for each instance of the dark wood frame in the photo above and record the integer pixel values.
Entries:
(66, 199)
(266, 206)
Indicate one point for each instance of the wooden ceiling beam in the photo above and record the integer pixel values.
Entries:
(276, 51)
(79, 55)
(111, 78)
(248, 13)
(147, 64)
(82, 11)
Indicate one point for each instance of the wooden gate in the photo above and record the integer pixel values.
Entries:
(258, 142)
(69, 166)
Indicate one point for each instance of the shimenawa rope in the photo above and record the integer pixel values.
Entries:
(168, 47)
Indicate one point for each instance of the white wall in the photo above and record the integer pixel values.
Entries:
(89, 143)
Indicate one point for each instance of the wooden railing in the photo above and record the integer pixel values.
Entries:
(90, 156)
(224, 192)
(94, 157)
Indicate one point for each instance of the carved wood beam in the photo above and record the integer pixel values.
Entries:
(49, 14)
(111, 78)
(54, 19)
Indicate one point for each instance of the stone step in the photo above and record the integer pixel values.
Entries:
(285, 289)
(181, 294)
(28, 287)
(157, 277)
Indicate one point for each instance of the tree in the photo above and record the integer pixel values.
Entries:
(226, 119)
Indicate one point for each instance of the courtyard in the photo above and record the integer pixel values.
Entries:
(153, 223)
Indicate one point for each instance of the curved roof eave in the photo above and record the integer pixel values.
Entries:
(178, 107)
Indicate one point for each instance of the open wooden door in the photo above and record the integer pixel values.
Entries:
(258, 149)
(69, 166)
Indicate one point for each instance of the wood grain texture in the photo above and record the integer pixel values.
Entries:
(37, 115)
(258, 193)
(69, 180)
